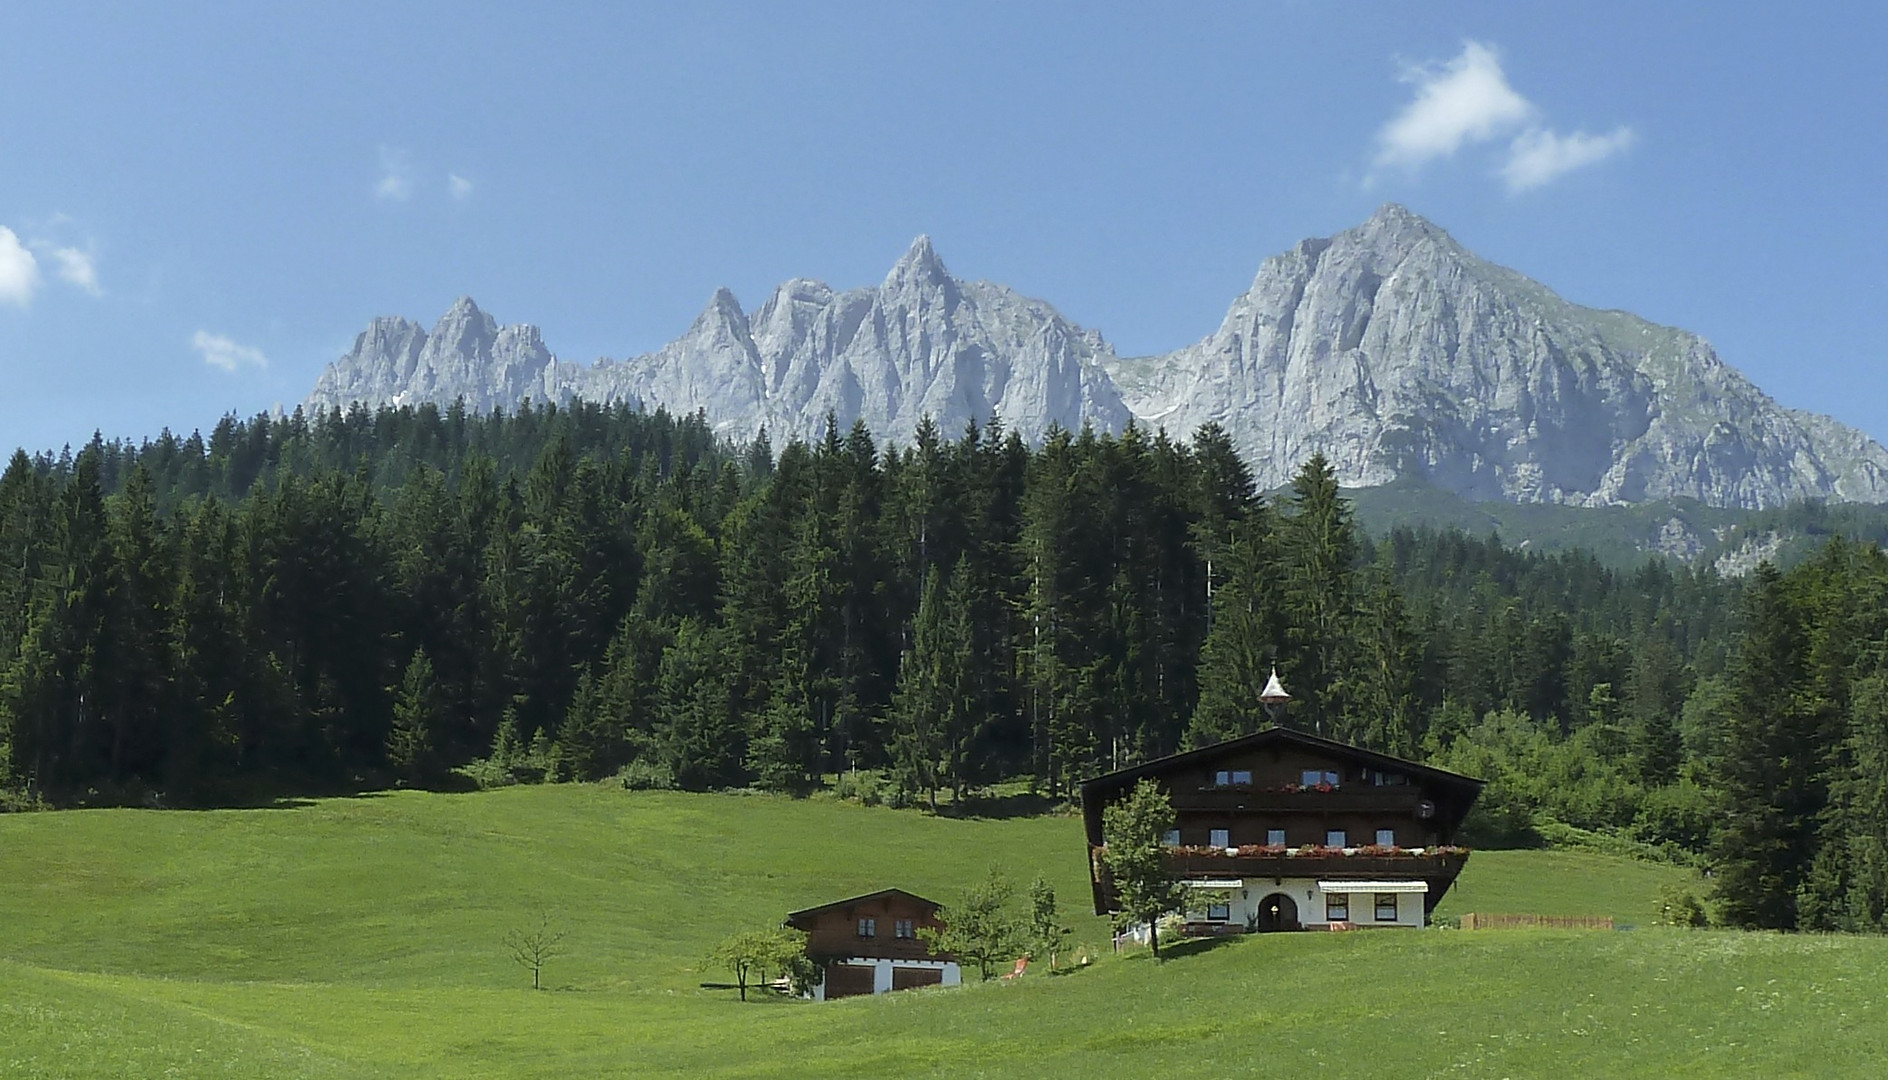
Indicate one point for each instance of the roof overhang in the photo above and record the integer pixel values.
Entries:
(1373, 886)
(1124, 778)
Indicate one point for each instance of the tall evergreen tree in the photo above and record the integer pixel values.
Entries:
(1772, 772)
(1319, 541)
(418, 718)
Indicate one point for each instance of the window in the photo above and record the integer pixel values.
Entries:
(1386, 907)
(1171, 838)
(1222, 778)
(1388, 779)
(1242, 776)
(1219, 838)
(1386, 837)
(1335, 838)
(1275, 837)
(1233, 778)
(868, 927)
(1337, 907)
(1218, 912)
(1314, 777)
(903, 929)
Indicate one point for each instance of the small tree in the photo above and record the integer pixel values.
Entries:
(1132, 831)
(981, 929)
(416, 716)
(534, 947)
(749, 955)
(1047, 935)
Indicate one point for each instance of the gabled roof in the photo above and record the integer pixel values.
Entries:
(1121, 778)
(855, 900)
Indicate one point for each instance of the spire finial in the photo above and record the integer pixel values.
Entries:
(1274, 692)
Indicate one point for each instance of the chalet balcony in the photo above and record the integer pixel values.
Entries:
(1399, 801)
(1263, 861)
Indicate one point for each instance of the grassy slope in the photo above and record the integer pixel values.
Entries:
(358, 937)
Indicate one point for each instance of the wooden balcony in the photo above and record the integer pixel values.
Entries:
(1257, 862)
(1401, 801)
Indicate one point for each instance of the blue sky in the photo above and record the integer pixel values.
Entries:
(200, 207)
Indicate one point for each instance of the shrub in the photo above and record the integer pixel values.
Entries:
(1678, 906)
(646, 774)
(861, 787)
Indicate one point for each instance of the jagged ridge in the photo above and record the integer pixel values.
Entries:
(1389, 348)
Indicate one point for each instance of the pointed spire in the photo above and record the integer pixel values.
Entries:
(1274, 692)
(919, 263)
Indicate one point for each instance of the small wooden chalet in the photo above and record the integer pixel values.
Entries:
(1285, 830)
(870, 945)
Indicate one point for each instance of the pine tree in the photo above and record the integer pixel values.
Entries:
(1244, 643)
(1319, 542)
(922, 706)
(1771, 774)
(417, 719)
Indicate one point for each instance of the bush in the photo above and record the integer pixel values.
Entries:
(1679, 814)
(1609, 842)
(1679, 906)
(646, 774)
(860, 787)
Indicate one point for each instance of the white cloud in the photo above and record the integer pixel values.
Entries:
(1540, 156)
(76, 267)
(1469, 101)
(19, 271)
(222, 352)
(1466, 100)
(396, 176)
(458, 186)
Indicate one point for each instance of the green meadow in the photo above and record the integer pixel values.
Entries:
(362, 938)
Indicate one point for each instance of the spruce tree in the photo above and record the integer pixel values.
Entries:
(1244, 642)
(922, 706)
(1771, 773)
(1319, 542)
(417, 719)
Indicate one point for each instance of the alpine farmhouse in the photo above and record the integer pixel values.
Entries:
(869, 944)
(1285, 830)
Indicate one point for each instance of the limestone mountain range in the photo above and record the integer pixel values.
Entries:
(1389, 347)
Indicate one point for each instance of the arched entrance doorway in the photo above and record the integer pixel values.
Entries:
(1277, 912)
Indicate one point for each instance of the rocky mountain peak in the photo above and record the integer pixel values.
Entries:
(1389, 348)
(919, 265)
(723, 307)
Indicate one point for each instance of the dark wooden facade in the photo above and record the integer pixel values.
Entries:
(870, 925)
(1291, 804)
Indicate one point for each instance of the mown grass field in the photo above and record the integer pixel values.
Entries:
(361, 938)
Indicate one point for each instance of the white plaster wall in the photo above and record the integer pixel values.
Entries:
(1244, 902)
(882, 972)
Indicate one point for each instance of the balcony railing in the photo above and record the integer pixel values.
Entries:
(1271, 861)
(1393, 800)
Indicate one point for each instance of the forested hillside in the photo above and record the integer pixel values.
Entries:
(365, 599)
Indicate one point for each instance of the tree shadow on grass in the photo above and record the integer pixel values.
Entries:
(1194, 946)
(999, 807)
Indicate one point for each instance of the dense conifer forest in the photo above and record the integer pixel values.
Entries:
(428, 597)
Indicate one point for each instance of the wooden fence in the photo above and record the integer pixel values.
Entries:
(1537, 922)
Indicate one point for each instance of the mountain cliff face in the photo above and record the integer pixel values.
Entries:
(921, 343)
(1389, 348)
(1397, 353)
(467, 356)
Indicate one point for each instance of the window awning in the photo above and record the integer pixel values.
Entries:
(1374, 886)
(1217, 883)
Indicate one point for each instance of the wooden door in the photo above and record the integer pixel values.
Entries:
(847, 980)
(905, 978)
